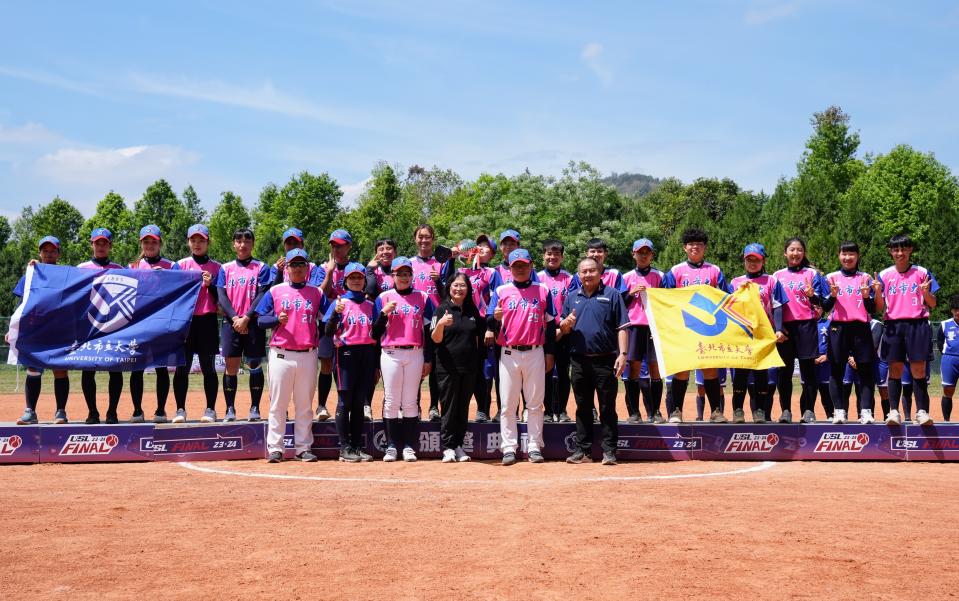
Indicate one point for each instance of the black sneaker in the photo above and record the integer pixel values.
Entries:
(609, 458)
(509, 458)
(111, 418)
(634, 418)
(495, 419)
(306, 456)
(348, 455)
(363, 455)
(92, 418)
(564, 418)
(536, 457)
(548, 418)
(275, 457)
(481, 418)
(595, 416)
(579, 456)
(434, 414)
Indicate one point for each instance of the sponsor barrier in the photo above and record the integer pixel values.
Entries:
(75, 443)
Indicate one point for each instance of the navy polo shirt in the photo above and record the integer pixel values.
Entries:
(598, 320)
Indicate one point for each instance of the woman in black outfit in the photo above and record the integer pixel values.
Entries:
(458, 330)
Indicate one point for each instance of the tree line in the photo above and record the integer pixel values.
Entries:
(835, 195)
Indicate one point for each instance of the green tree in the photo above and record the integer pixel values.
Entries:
(159, 205)
(112, 213)
(308, 202)
(228, 216)
(5, 231)
(61, 219)
(383, 212)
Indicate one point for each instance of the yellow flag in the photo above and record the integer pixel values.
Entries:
(702, 327)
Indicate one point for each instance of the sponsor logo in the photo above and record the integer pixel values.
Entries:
(749, 442)
(379, 440)
(89, 444)
(9, 445)
(841, 442)
(923, 443)
(113, 298)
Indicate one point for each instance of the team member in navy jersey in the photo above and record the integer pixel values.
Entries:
(150, 244)
(947, 339)
(597, 250)
(457, 333)
(379, 272)
(241, 285)
(49, 248)
(349, 320)
(101, 240)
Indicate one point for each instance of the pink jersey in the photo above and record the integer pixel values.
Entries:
(479, 278)
(559, 286)
(609, 277)
(635, 310)
(505, 275)
(161, 264)
(338, 280)
(302, 307)
(685, 274)
(901, 292)
(95, 265)
(422, 280)
(206, 302)
(526, 312)
(849, 305)
(796, 283)
(384, 281)
(241, 282)
(356, 323)
(404, 326)
(771, 292)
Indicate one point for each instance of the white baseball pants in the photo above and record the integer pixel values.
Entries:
(522, 371)
(292, 375)
(402, 371)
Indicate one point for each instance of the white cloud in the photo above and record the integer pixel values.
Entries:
(352, 192)
(48, 79)
(765, 12)
(114, 165)
(27, 134)
(592, 56)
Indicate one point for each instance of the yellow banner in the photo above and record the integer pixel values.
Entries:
(702, 327)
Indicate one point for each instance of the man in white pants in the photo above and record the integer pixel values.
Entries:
(522, 312)
(294, 311)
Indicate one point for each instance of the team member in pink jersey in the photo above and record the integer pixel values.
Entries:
(799, 339)
(333, 286)
(403, 317)
(908, 292)
(49, 249)
(294, 310)
(695, 270)
(481, 275)
(101, 241)
(637, 281)
(349, 320)
(429, 276)
(524, 315)
(774, 299)
(379, 273)
(597, 250)
(150, 244)
(241, 284)
(561, 284)
(293, 238)
(203, 340)
(852, 301)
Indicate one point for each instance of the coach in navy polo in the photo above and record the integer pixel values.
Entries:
(594, 318)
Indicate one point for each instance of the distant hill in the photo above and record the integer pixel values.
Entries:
(633, 184)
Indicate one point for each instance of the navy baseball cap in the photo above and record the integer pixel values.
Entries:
(399, 262)
(297, 253)
(293, 233)
(150, 231)
(484, 238)
(341, 237)
(520, 255)
(49, 240)
(198, 230)
(353, 267)
(643, 243)
(101, 233)
(509, 234)
(755, 249)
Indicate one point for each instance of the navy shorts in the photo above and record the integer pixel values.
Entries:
(204, 336)
(251, 345)
(803, 342)
(851, 376)
(823, 373)
(641, 344)
(882, 374)
(325, 348)
(906, 339)
(950, 369)
(850, 338)
(356, 366)
(720, 373)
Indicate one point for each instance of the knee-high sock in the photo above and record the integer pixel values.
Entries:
(256, 386)
(61, 391)
(136, 391)
(163, 388)
(700, 406)
(394, 432)
(211, 384)
(411, 432)
(181, 382)
(907, 394)
(114, 388)
(88, 383)
(922, 394)
(324, 382)
(678, 390)
(229, 389)
(826, 397)
(31, 390)
(632, 396)
(784, 384)
(714, 394)
(807, 398)
(946, 407)
(655, 396)
(895, 392)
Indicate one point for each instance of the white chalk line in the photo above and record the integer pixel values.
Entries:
(765, 465)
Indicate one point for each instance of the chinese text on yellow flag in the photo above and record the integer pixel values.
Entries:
(702, 327)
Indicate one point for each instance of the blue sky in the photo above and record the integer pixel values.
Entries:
(232, 95)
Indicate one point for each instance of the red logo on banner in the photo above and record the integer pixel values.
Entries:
(89, 444)
(842, 442)
(9, 444)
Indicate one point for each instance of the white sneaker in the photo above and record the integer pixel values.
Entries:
(923, 418)
(865, 417)
(525, 415)
(449, 456)
(839, 416)
(461, 454)
(893, 419)
(676, 417)
(390, 455)
(409, 454)
(368, 413)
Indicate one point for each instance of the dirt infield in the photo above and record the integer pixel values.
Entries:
(475, 531)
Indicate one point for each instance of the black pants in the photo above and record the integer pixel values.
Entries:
(355, 367)
(557, 391)
(455, 390)
(589, 376)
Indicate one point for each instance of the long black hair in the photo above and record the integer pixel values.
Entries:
(802, 243)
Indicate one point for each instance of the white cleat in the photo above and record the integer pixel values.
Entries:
(923, 418)
(865, 417)
(893, 419)
(839, 416)
(449, 456)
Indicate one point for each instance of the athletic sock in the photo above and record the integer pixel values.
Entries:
(181, 382)
(655, 396)
(88, 383)
(342, 419)
(411, 432)
(136, 391)
(700, 406)
(922, 394)
(678, 390)
(31, 390)
(163, 388)
(947, 408)
(895, 392)
(229, 391)
(826, 399)
(907, 394)
(324, 383)
(256, 386)
(211, 384)
(394, 432)
(61, 391)
(714, 394)
(632, 396)
(114, 388)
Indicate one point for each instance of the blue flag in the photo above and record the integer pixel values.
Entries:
(114, 320)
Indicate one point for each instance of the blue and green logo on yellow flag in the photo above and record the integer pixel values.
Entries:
(703, 327)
